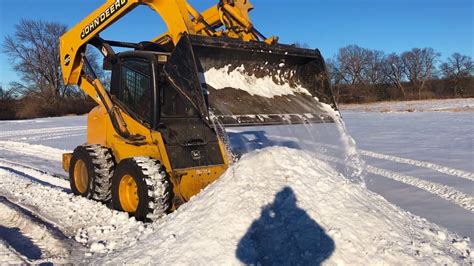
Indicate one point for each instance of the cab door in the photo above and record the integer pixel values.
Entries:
(133, 91)
(133, 82)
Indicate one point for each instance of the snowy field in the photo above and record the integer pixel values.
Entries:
(292, 197)
(448, 105)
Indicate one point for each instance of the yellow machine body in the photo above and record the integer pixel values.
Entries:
(186, 182)
(194, 43)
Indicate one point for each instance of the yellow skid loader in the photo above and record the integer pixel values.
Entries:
(153, 140)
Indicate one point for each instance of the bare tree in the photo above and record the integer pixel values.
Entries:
(7, 103)
(419, 66)
(394, 72)
(335, 77)
(34, 53)
(374, 64)
(456, 69)
(33, 50)
(7, 94)
(353, 64)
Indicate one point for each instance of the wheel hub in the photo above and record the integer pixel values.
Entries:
(81, 177)
(128, 194)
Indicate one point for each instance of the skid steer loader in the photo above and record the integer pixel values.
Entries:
(153, 140)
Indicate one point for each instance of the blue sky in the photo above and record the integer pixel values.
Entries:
(388, 25)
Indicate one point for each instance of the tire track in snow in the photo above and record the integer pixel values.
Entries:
(431, 166)
(90, 223)
(9, 256)
(443, 191)
(39, 176)
(428, 165)
(16, 164)
(40, 151)
(446, 192)
(36, 138)
(34, 239)
(29, 132)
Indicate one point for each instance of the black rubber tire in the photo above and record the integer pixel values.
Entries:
(100, 166)
(154, 188)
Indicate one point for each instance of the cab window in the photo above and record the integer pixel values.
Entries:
(136, 87)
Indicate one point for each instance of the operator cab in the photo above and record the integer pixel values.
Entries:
(141, 87)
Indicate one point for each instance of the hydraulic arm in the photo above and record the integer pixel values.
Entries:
(228, 18)
(231, 16)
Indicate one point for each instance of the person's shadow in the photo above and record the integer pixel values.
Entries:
(284, 235)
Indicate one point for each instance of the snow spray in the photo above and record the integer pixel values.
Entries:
(222, 134)
(353, 162)
(289, 135)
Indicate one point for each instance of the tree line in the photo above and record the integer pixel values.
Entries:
(33, 51)
(363, 75)
(357, 74)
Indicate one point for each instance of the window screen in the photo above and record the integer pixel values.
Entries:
(136, 92)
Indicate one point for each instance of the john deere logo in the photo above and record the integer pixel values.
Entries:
(67, 59)
(102, 17)
(196, 155)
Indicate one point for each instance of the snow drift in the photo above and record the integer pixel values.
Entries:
(283, 206)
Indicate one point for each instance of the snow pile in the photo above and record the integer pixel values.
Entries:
(283, 206)
(224, 78)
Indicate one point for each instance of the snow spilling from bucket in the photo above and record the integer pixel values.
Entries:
(274, 85)
(222, 134)
(354, 164)
(266, 87)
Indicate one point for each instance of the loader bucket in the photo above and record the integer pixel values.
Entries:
(251, 83)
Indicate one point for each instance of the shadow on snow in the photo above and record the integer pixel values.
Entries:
(19, 242)
(285, 235)
(243, 142)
